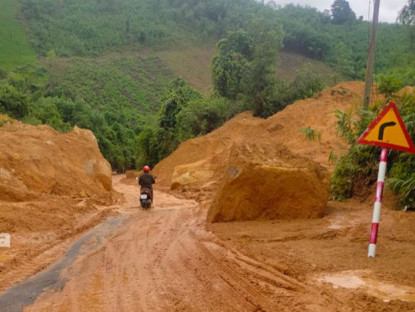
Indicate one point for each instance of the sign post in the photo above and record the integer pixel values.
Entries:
(387, 131)
(378, 203)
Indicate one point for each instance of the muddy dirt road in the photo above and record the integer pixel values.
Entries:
(164, 260)
(167, 259)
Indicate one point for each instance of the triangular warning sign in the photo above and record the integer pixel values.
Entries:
(388, 130)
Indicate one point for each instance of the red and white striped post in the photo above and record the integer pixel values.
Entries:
(378, 202)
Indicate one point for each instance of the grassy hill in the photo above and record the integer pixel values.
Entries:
(193, 64)
(14, 49)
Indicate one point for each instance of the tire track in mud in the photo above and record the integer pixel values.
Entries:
(24, 293)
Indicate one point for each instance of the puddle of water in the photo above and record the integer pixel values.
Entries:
(384, 291)
(389, 292)
(350, 282)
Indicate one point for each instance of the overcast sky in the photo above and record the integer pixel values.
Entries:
(388, 12)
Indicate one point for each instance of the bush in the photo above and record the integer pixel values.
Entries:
(305, 85)
(13, 102)
(389, 84)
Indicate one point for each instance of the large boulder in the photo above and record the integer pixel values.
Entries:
(278, 186)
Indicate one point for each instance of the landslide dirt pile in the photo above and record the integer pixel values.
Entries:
(50, 186)
(198, 167)
(35, 161)
(281, 128)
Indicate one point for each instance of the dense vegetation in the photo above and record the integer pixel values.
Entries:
(358, 169)
(97, 70)
(185, 113)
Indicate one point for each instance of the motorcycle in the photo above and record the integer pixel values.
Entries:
(145, 198)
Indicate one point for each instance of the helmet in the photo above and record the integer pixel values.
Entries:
(146, 169)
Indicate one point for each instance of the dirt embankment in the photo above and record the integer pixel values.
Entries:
(50, 186)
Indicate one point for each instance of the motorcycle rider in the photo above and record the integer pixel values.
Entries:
(146, 180)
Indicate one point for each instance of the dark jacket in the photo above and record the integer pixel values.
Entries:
(146, 180)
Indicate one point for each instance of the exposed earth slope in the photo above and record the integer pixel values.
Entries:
(282, 128)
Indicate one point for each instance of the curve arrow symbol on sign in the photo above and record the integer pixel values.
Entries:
(382, 128)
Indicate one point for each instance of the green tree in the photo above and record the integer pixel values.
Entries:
(341, 58)
(146, 147)
(407, 14)
(45, 111)
(407, 17)
(12, 101)
(178, 95)
(229, 67)
(246, 64)
(201, 116)
(259, 84)
(341, 13)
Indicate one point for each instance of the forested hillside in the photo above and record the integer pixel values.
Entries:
(79, 28)
(101, 65)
